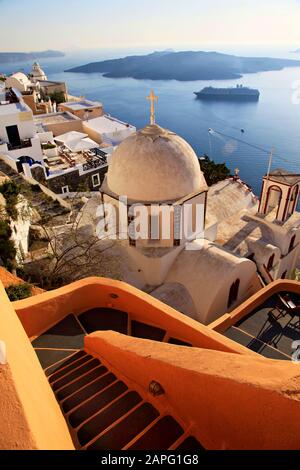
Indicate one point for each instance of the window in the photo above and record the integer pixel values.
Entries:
(292, 244)
(233, 293)
(271, 262)
(273, 200)
(131, 229)
(96, 180)
(65, 190)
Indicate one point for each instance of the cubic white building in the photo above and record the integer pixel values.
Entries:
(107, 129)
(18, 136)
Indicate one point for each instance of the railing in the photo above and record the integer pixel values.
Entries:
(268, 273)
(24, 144)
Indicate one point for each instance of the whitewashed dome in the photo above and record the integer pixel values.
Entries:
(155, 165)
(37, 72)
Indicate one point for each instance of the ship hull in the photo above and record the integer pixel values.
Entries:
(226, 97)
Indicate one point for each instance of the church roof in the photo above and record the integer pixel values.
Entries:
(176, 296)
(227, 198)
(284, 176)
(155, 165)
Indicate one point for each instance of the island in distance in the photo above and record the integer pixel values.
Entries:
(185, 66)
(13, 57)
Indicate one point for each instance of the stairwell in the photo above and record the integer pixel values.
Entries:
(102, 411)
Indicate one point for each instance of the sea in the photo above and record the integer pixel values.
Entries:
(241, 134)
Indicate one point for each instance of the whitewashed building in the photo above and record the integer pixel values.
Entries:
(18, 136)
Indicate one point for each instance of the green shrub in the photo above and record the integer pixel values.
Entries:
(7, 247)
(213, 172)
(19, 291)
(48, 146)
(58, 97)
(10, 190)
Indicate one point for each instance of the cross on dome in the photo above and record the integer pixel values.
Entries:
(152, 98)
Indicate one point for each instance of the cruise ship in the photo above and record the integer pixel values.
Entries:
(238, 93)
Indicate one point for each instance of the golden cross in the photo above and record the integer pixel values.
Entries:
(152, 98)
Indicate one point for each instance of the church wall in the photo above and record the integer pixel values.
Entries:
(279, 236)
(279, 194)
(208, 277)
(199, 200)
(211, 233)
(249, 284)
(155, 269)
(262, 256)
(288, 263)
(287, 238)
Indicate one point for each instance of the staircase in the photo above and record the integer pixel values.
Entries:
(103, 413)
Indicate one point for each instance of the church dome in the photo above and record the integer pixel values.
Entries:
(155, 165)
(37, 72)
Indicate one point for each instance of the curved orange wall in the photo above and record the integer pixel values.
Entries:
(250, 305)
(229, 401)
(41, 312)
(30, 415)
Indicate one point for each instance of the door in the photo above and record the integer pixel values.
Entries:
(13, 136)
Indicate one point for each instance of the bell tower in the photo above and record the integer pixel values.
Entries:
(279, 195)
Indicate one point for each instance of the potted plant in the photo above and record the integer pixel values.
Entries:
(50, 150)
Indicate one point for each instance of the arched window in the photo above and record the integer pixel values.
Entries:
(233, 293)
(293, 201)
(292, 244)
(273, 200)
(271, 262)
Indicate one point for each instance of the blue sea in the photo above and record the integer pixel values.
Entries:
(273, 121)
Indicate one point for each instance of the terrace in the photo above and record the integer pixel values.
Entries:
(82, 105)
(73, 149)
(10, 103)
(270, 327)
(67, 159)
(8, 97)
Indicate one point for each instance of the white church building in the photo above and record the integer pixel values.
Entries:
(239, 245)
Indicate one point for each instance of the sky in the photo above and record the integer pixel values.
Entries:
(33, 25)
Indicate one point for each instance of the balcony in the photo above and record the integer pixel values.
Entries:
(24, 144)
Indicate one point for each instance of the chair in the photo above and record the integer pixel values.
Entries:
(290, 306)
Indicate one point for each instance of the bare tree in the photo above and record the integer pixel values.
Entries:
(74, 251)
